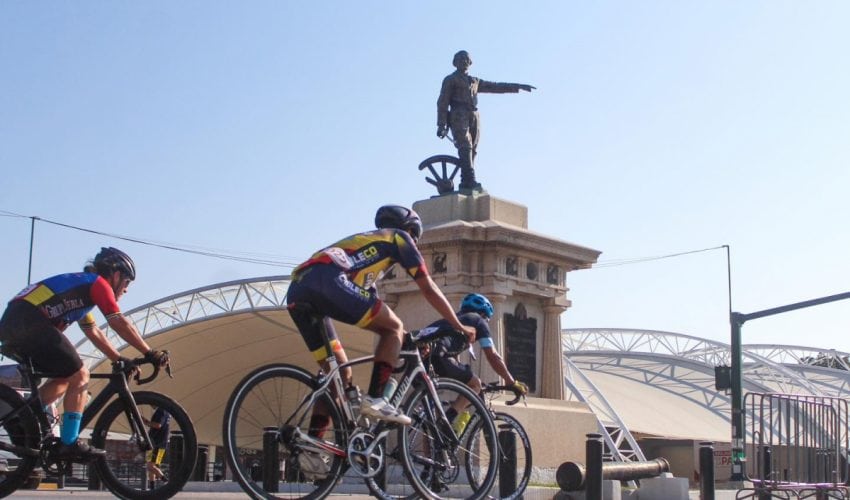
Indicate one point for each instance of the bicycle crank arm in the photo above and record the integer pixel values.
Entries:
(309, 443)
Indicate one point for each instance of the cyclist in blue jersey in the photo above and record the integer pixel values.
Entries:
(339, 282)
(33, 324)
(475, 311)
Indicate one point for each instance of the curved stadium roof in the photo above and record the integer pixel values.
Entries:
(637, 382)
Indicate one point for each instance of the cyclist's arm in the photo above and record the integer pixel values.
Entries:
(128, 332)
(498, 364)
(438, 301)
(98, 338)
(103, 296)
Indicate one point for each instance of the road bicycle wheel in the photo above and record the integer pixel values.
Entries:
(261, 436)
(124, 470)
(505, 424)
(433, 466)
(20, 430)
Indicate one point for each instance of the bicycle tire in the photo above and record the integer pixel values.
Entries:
(21, 431)
(435, 472)
(267, 398)
(507, 423)
(123, 470)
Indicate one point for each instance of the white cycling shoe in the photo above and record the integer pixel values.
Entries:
(381, 409)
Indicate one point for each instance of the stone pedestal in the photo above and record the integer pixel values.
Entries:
(480, 243)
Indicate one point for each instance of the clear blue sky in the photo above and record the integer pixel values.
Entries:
(274, 128)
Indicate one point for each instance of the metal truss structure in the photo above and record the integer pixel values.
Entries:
(684, 365)
(255, 294)
(679, 364)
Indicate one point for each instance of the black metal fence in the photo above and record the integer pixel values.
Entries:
(799, 445)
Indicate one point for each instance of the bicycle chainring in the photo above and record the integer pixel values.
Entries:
(365, 455)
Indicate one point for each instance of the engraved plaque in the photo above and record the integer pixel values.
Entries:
(521, 347)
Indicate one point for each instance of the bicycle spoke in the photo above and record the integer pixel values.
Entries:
(432, 455)
(131, 472)
(269, 448)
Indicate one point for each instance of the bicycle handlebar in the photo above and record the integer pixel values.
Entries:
(495, 387)
(131, 367)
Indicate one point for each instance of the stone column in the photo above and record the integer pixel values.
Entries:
(551, 367)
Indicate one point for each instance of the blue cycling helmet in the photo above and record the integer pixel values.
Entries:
(475, 302)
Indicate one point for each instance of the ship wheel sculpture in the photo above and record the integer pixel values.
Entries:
(442, 180)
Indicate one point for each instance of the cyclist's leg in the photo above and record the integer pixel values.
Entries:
(53, 355)
(310, 329)
(311, 288)
(330, 293)
(390, 330)
(59, 359)
(449, 367)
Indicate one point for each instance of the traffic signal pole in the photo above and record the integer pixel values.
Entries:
(737, 321)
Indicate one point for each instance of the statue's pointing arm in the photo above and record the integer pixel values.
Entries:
(503, 88)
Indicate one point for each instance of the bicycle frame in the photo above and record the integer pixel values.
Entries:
(414, 373)
(117, 385)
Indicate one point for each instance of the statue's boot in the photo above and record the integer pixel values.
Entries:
(467, 173)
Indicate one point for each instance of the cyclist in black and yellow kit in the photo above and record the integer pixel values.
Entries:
(34, 321)
(339, 283)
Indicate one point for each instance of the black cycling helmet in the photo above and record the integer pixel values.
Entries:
(398, 217)
(111, 259)
(475, 302)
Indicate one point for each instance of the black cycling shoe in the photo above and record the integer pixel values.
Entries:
(79, 451)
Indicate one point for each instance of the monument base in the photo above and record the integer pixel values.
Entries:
(557, 430)
(471, 207)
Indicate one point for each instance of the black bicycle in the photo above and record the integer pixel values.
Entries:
(275, 449)
(27, 439)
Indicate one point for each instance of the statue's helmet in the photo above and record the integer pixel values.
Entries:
(458, 56)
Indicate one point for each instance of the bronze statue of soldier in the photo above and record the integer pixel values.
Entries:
(457, 109)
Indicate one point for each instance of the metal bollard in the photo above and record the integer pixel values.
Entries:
(767, 467)
(706, 470)
(94, 479)
(271, 460)
(593, 456)
(175, 451)
(200, 472)
(507, 466)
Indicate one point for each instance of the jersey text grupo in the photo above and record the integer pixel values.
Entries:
(66, 298)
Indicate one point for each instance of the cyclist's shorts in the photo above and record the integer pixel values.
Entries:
(331, 294)
(446, 366)
(26, 332)
(155, 455)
